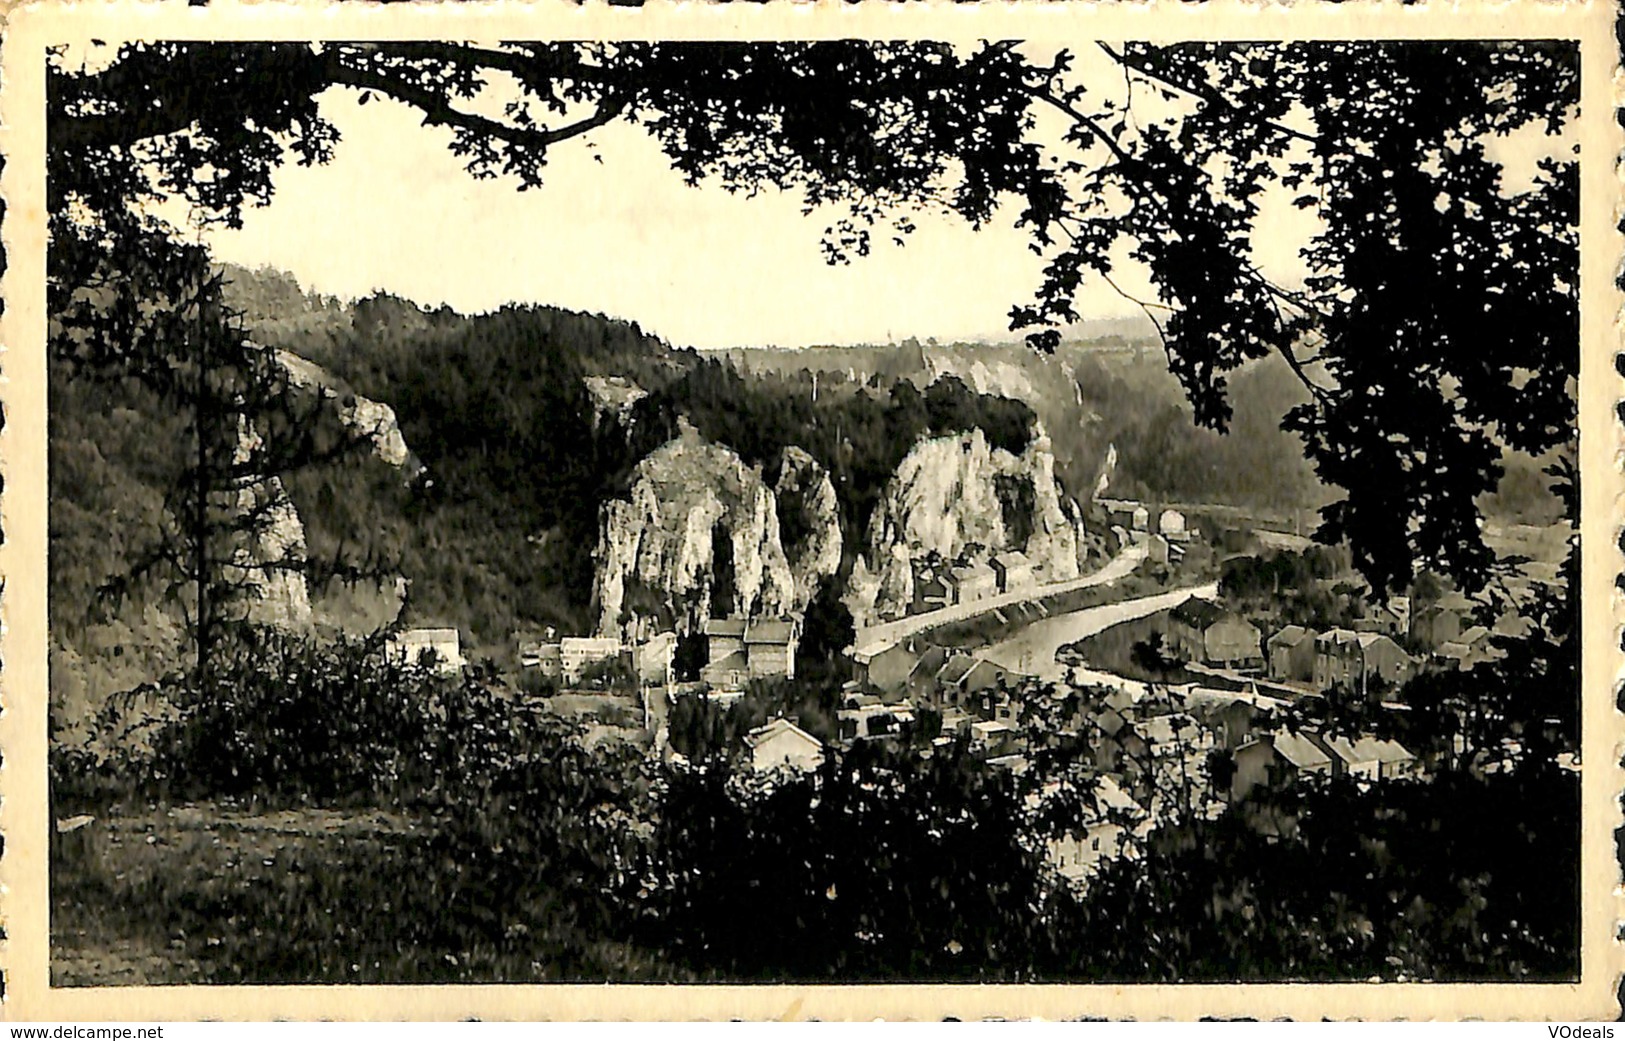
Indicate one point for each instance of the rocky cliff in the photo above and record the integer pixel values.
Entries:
(363, 416)
(958, 496)
(700, 525)
(268, 548)
(809, 522)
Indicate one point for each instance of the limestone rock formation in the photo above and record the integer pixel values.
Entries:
(266, 568)
(809, 522)
(363, 416)
(267, 551)
(957, 496)
(698, 525)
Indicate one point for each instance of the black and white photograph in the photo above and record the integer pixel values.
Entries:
(992, 509)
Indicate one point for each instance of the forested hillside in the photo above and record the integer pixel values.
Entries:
(497, 533)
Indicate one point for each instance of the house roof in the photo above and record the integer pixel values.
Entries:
(1300, 751)
(973, 571)
(732, 662)
(1367, 639)
(1472, 635)
(1337, 636)
(983, 665)
(426, 635)
(990, 726)
(955, 668)
(1291, 636)
(1197, 613)
(1342, 748)
(1213, 696)
(1453, 600)
(1371, 748)
(930, 661)
(1011, 559)
(1110, 795)
(1161, 730)
(773, 631)
(725, 627)
(590, 643)
(780, 727)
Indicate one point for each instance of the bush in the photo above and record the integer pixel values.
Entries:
(281, 718)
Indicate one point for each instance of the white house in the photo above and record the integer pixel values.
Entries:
(1171, 525)
(780, 743)
(578, 652)
(440, 647)
(1113, 829)
(1012, 570)
(974, 582)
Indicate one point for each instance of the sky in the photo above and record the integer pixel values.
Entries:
(613, 229)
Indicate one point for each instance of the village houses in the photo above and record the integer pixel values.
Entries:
(1357, 661)
(1277, 761)
(973, 582)
(1442, 621)
(1012, 571)
(742, 650)
(1113, 828)
(541, 653)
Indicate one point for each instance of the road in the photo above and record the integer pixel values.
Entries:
(875, 638)
(1032, 650)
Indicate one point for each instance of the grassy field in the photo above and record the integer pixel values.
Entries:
(222, 893)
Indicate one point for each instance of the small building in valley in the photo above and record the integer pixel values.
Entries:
(741, 650)
(576, 653)
(770, 648)
(933, 587)
(1471, 646)
(973, 582)
(1110, 830)
(1441, 621)
(1012, 570)
(725, 636)
(541, 654)
(779, 744)
(1384, 658)
(1357, 661)
(439, 649)
(1277, 761)
(1392, 617)
(1292, 654)
(1171, 526)
(1200, 631)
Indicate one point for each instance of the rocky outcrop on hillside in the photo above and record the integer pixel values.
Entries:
(699, 524)
(809, 522)
(364, 417)
(267, 550)
(957, 496)
(613, 397)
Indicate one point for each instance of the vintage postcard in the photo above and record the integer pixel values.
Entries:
(839, 511)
